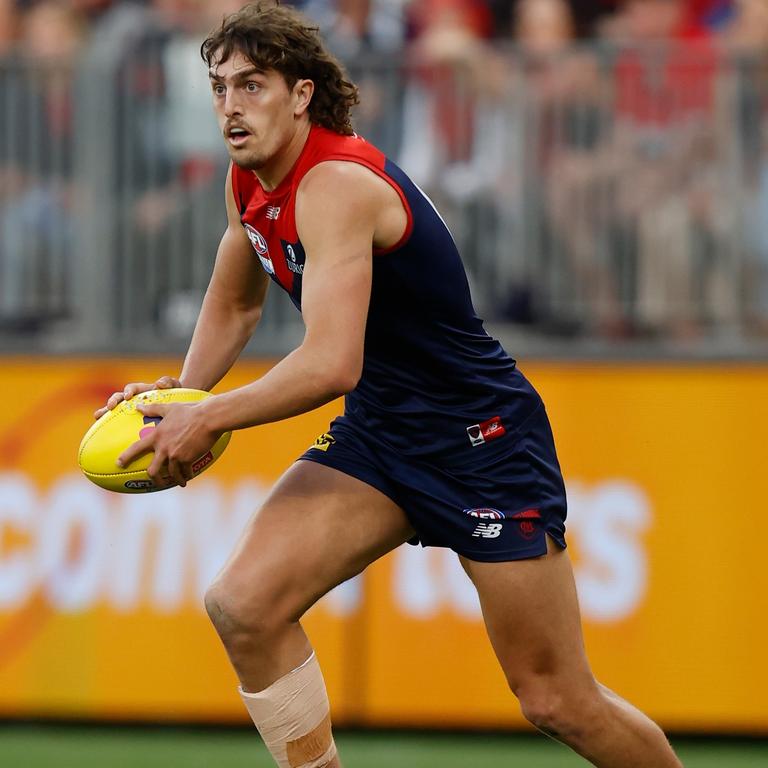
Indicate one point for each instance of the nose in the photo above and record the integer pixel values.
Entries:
(232, 105)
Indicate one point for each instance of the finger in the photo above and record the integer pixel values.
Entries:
(159, 473)
(112, 401)
(115, 399)
(167, 382)
(131, 390)
(153, 409)
(176, 471)
(136, 450)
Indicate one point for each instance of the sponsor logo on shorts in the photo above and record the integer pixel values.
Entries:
(485, 513)
(202, 463)
(486, 431)
(487, 531)
(324, 442)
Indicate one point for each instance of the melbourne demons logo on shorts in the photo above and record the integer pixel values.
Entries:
(260, 246)
(528, 520)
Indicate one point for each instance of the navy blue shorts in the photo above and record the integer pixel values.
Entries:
(493, 502)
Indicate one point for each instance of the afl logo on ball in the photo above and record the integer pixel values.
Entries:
(485, 513)
(260, 246)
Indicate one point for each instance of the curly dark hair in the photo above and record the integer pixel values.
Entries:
(277, 37)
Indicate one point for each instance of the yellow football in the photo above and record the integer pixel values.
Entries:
(111, 434)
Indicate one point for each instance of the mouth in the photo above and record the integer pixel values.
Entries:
(237, 136)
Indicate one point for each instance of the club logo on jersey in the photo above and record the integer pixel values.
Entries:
(273, 212)
(292, 261)
(487, 531)
(485, 513)
(260, 246)
(486, 431)
(324, 442)
(527, 520)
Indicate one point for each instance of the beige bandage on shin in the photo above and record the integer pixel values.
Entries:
(294, 719)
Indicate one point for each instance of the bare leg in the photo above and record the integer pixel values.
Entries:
(532, 616)
(318, 528)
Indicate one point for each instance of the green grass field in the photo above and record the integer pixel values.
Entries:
(90, 747)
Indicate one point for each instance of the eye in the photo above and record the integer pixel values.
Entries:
(252, 86)
(219, 89)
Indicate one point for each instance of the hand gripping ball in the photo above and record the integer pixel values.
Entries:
(117, 429)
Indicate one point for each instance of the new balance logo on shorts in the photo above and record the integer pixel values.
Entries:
(487, 531)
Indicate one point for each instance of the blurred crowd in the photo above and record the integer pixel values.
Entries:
(603, 163)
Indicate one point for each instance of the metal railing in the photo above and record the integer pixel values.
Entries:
(598, 196)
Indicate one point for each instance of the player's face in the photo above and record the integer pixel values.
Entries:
(256, 110)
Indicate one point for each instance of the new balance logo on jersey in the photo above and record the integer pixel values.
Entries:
(273, 212)
(487, 531)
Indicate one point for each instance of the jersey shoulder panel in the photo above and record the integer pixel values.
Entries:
(324, 145)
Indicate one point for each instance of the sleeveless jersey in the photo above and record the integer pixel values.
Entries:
(434, 383)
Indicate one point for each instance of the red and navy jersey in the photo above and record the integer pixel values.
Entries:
(433, 380)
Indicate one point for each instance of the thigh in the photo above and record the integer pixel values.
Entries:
(317, 528)
(531, 613)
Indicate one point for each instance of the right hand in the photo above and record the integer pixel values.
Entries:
(130, 390)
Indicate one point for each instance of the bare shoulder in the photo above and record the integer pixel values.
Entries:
(348, 181)
(346, 195)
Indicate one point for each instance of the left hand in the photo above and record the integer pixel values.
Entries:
(179, 440)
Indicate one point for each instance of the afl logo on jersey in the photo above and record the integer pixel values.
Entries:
(260, 246)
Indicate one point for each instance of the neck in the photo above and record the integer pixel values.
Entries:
(280, 165)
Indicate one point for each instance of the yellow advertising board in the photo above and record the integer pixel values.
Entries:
(101, 594)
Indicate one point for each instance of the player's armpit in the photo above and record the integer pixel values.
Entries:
(231, 308)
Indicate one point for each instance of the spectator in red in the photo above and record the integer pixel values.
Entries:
(660, 86)
(665, 166)
(7, 25)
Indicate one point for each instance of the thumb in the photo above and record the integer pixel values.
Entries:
(167, 382)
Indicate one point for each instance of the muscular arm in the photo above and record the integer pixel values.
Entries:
(342, 211)
(337, 209)
(231, 308)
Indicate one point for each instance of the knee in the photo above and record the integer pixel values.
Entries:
(238, 613)
(557, 710)
(544, 710)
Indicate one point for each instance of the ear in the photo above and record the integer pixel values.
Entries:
(302, 92)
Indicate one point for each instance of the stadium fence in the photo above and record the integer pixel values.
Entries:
(603, 197)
